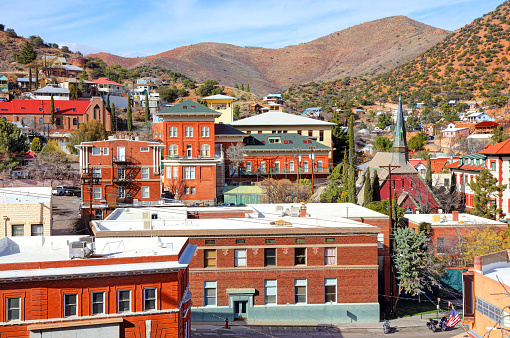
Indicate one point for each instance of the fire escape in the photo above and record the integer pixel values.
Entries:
(124, 175)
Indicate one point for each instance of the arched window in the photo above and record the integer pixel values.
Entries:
(57, 121)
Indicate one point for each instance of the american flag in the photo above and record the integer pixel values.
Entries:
(454, 319)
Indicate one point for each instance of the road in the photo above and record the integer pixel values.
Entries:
(315, 332)
(65, 212)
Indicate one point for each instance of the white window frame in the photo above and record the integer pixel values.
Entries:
(96, 172)
(192, 191)
(239, 257)
(205, 150)
(168, 171)
(204, 131)
(8, 317)
(96, 193)
(119, 300)
(173, 150)
(291, 166)
(270, 289)
(144, 149)
(172, 131)
(96, 148)
(277, 166)
(330, 282)
(188, 131)
(319, 166)
(305, 166)
(175, 173)
(144, 173)
(327, 256)
(248, 166)
(121, 192)
(155, 299)
(189, 173)
(300, 283)
(209, 285)
(92, 303)
(105, 151)
(145, 191)
(263, 166)
(66, 304)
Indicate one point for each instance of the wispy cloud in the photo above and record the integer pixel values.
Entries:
(137, 28)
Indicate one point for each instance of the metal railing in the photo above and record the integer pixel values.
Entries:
(285, 171)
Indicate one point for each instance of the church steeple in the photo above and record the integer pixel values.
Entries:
(399, 134)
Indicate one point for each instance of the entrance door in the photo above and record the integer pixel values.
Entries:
(240, 310)
(121, 153)
(189, 152)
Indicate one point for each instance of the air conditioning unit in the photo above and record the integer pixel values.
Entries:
(91, 242)
(146, 215)
(135, 201)
(147, 225)
(79, 250)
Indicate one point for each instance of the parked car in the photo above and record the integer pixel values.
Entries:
(72, 191)
(59, 190)
(227, 205)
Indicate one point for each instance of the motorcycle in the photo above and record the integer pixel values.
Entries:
(435, 326)
(386, 327)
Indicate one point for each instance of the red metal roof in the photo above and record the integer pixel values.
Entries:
(486, 124)
(35, 107)
(105, 80)
(500, 148)
(456, 165)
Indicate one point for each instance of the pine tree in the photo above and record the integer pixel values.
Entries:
(345, 171)
(351, 139)
(147, 112)
(376, 188)
(368, 193)
(52, 110)
(29, 78)
(428, 175)
(27, 53)
(108, 100)
(36, 77)
(241, 87)
(333, 191)
(112, 114)
(352, 173)
(248, 87)
(129, 116)
(486, 190)
(36, 145)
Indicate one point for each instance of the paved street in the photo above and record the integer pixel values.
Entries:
(65, 212)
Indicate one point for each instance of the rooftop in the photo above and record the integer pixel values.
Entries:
(283, 141)
(71, 107)
(219, 97)
(446, 220)
(500, 148)
(188, 107)
(105, 80)
(25, 195)
(275, 118)
(51, 89)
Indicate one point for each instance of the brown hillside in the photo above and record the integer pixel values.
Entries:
(370, 48)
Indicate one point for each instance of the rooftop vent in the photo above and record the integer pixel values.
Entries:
(79, 250)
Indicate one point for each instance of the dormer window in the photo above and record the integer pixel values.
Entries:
(184, 107)
(57, 109)
(40, 108)
(192, 107)
(274, 140)
(23, 108)
(74, 109)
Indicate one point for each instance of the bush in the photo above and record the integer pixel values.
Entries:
(11, 33)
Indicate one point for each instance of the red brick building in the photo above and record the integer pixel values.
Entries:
(191, 162)
(252, 263)
(118, 172)
(36, 114)
(127, 287)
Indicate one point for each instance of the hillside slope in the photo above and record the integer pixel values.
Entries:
(370, 48)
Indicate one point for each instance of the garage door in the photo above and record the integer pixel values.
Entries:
(104, 331)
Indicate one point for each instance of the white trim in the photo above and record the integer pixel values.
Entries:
(130, 301)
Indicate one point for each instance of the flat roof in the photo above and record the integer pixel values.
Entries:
(446, 220)
(22, 195)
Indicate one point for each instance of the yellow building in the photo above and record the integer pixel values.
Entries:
(222, 104)
(274, 122)
(486, 299)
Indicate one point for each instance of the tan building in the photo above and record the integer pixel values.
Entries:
(25, 211)
(222, 104)
(277, 122)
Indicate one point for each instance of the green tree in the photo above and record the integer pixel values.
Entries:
(52, 110)
(498, 135)
(129, 116)
(108, 100)
(210, 87)
(418, 141)
(241, 87)
(91, 131)
(27, 53)
(73, 93)
(368, 193)
(376, 188)
(237, 111)
(65, 49)
(11, 33)
(345, 170)
(339, 137)
(428, 174)
(486, 189)
(168, 94)
(417, 270)
(36, 77)
(13, 145)
(382, 143)
(36, 145)
(113, 116)
(147, 111)
(29, 78)
(333, 192)
(352, 173)
(248, 87)
(383, 120)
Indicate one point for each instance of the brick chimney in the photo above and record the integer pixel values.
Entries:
(455, 216)
(478, 263)
(302, 210)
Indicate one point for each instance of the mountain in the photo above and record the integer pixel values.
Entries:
(472, 63)
(371, 48)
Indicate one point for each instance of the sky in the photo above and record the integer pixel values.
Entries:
(138, 28)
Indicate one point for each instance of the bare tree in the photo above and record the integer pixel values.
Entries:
(235, 156)
(285, 191)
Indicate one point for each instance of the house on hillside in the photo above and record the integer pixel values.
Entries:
(46, 93)
(454, 132)
(477, 117)
(274, 98)
(485, 127)
(313, 112)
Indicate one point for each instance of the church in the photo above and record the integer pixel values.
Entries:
(412, 192)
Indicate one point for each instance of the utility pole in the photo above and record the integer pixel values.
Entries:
(389, 167)
(312, 148)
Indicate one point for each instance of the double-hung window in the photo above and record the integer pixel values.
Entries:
(270, 291)
(239, 257)
(175, 173)
(96, 192)
(210, 293)
(291, 166)
(269, 257)
(210, 258)
(204, 131)
(97, 303)
(329, 256)
(145, 173)
(173, 150)
(149, 299)
(330, 290)
(121, 192)
(13, 308)
(205, 150)
(172, 131)
(300, 256)
(146, 192)
(124, 300)
(71, 305)
(188, 131)
(96, 151)
(189, 173)
(300, 291)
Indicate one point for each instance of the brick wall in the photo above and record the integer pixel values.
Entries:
(40, 213)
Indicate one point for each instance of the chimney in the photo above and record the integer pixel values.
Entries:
(455, 216)
(478, 263)
(302, 210)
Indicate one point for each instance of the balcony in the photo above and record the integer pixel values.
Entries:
(122, 159)
(194, 158)
(286, 171)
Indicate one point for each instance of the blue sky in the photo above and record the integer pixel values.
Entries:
(139, 28)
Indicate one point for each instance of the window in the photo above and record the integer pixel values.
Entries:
(299, 132)
(493, 166)
(36, 230)
(210, 242)
(300, 291)
(176, 173)
(18, 230)
(125, 301)
(270, 291)
(321, 135)
(330, 290)
(205, 150)
(446, 182)
(239, 257)
(105, 151)
(310, 133)
(13, 308)
(57, 121)
(330, 240)
(189, 173)
(97, 303)
(96, 151)
(121, 173)
(291, 166)
(210, 293)
(189, 150)
(300, 256)
(149, 299)
(440, 246)
(210, 258)
(329, 256)
(269, 257)
(96, 172)
(168, 171)
(75, 121)
(96, 192)
(172, 131)
(260, 131)
(248, 166)
(204, 131)
(144, 149)
(173, 150)
(41, 121)
(121, 192)
(71, 305)
(277, 167)
(146, 192)
(188, 131)
(145, 173)
(300, 240)
(270, 241)
(240, 241)
(192, 190)
(319, 166)
(274, 140)
(305, 166)
(263, 166)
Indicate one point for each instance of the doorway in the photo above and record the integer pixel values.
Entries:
(121, 153)
(240, 310)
